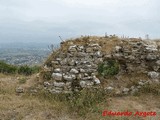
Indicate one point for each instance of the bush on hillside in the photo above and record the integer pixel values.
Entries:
(26, 70)
(108, 68)
(6, 68)
(12, 69)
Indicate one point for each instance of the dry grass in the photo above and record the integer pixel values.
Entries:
(2, 75)
(144, 103)
(17, 107)
(37, 107)
(28, 107)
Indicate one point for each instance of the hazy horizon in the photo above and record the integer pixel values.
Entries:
(44, 20)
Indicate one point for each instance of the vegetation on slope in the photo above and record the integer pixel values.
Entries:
(12, 69)
(108, 68)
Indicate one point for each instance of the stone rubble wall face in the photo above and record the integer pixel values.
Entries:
(77, 68)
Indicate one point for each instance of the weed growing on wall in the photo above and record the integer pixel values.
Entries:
(108, 68)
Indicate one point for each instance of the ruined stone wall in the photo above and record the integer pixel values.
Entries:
(76, 67)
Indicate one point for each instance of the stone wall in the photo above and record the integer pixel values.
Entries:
(76, 67)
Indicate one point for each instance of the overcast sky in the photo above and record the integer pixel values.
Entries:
(45, 20)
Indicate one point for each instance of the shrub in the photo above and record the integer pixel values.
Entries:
(26, 70)
(108, 68)
(12, 69)
(6, 68)
(35, 69)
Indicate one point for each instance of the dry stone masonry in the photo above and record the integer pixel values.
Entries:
(75, 65)
(75, 69)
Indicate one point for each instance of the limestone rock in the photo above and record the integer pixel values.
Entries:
(151, 48)
(46, 84)
(109, 89)
(96, 80)
(54, 91)
(98, 54)
(74, 71)
(125, 90)
(139, 87)
(69, 77)
(87, 78)
(59, 59)
(153, 75)
(57, 76)
(80, 48)
(82, 70)
(63, 62)
(141, 83)
(54, 62)
(72, 48)
(19, 90)
(59, 84)
(84, 84)
(151, 56)
(71, 62)
(118, 48)
(68, 84)
(156, 68)
(57, 70)
(158, 62)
